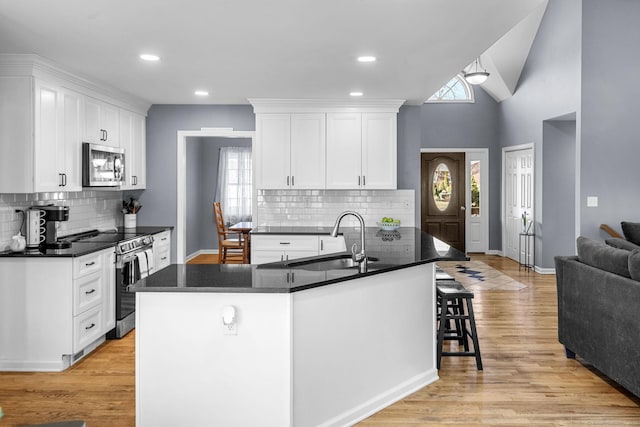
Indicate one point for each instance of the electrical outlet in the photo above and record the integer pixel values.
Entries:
(231, 329)
(592, 201)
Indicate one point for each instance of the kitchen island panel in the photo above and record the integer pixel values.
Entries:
(189, 372)
(361, 347)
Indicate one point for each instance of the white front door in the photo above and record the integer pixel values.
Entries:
(518, 184)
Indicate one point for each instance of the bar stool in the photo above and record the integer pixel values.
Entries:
(452, 298)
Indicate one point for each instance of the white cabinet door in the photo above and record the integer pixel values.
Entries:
(331, 245)
(110, 122)
(273, 133)
(101, 123)
(132, 139)
(49, 143)
(344, 147)
(57, 139)
(139, 133)
(92, 129)
(379, 151)
(72, 141)
(308, 151)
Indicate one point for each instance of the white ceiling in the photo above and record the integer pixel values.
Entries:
(300, 49)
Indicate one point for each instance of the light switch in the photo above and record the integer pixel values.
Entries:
(592, 201)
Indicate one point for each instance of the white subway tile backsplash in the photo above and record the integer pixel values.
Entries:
(87, 210)
(321, 207)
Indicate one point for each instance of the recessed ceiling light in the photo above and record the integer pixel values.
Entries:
(149, 57)
(356, 93)
(201, 93)
(366, 59)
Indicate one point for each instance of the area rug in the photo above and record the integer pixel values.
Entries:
(478, 276)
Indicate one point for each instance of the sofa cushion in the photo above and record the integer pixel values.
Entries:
(631, 231)
(619, 243)
(634, 264)
(600, 255)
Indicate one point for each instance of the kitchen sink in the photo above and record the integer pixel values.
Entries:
(334, 262)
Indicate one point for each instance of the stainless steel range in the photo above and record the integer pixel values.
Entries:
(134, 260)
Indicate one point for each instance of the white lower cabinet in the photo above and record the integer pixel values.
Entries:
(59, 309)
(282, 247)
(161, 250)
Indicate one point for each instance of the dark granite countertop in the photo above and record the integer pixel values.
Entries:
(391, 251)
(81, 248)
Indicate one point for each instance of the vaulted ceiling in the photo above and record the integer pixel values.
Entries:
(299, 49)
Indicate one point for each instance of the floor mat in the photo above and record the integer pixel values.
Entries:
(478, 276)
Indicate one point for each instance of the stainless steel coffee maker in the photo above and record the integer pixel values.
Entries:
(53, 215)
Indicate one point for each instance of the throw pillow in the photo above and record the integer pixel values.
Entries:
(634, 264)
(600, 255)
(619, 243)
(631, 231)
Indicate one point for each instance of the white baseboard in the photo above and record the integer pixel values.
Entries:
(200, 252)
(381, 401)
(494, 252)
(541, 270)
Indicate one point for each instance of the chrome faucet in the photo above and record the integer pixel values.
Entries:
(360, 257)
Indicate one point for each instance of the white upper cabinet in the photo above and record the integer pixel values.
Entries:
(132, 139)
(273, 133)
(45, 116)
(379, 151)
(101, 123)
(290, 151)
(307, 151)
(324, 144)
(344, 148)
(40, 145)
(361, 151)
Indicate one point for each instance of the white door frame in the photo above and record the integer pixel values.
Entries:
(181, 155)
(503, 189)
(483, 154)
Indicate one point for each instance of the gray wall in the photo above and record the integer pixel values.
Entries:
(202, 179)
(451, 126)
(549, 87)
(558, 189)
(163, 123)
(610, 130)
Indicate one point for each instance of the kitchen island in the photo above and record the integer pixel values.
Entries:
(313, 342)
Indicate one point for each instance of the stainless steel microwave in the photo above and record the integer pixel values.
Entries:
(102, 166)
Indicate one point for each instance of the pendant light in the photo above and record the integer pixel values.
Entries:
(476, 76)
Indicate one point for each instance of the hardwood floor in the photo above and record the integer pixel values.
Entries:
(527, 380)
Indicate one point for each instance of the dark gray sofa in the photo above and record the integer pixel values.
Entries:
(599, 308)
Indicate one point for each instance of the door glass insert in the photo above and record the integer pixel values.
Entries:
(441, 185)
(475, 188)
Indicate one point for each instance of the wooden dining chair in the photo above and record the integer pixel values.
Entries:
(230, 250)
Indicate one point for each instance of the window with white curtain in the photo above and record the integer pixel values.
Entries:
(234, 184)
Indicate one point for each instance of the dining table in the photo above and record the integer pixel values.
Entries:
(244, 228)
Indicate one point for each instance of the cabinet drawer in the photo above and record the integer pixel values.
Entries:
(87, 327)
(286, 243)
(161, 258)
(87, 292)
(87, 264)
(163, 239)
